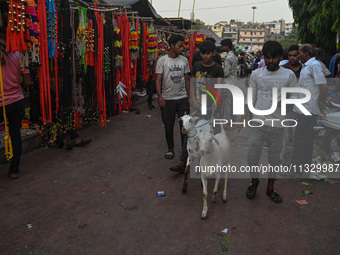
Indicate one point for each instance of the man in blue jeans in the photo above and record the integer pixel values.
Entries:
(14, 99)
(262, 81)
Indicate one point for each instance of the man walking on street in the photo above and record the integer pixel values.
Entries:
(313, 79)
(173, 89)
(262, 81)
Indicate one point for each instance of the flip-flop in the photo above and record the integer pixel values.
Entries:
(252, 188)
(274, 196)
(169, 155)
(83, 142)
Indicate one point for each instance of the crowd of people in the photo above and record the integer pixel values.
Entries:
(273, 67)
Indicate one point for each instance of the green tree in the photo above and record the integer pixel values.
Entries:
(288, 42)
(198, 24)
(315, 21)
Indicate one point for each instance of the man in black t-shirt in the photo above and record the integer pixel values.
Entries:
(197, 55)
(204, 71)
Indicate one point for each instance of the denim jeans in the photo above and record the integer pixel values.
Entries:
(273, 137)
(15, 113)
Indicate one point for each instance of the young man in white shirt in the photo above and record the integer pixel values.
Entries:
(262, 81)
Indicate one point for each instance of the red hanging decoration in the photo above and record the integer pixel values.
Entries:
(15, 28)
(124, 26)
(101, 103)
(44, 71)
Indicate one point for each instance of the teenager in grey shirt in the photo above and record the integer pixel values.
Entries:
(172, 85)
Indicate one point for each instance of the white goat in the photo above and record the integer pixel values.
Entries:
(214, 151)
(192, 126)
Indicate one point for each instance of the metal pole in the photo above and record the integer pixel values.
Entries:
(179, 8)
(252, 32)
(193, 13)
(151, 2)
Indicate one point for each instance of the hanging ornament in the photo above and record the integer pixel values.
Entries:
(89, 59)
(152, 44)
(15, 27)
(117, 45)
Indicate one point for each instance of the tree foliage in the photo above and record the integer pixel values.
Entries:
(317, 21)
(198, 24)
(286, 43)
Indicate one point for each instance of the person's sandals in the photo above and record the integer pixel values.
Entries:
(275, 197)
(169, 155)
(83, 142)
(251, 191)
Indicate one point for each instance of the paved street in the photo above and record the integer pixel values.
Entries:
(101, 199)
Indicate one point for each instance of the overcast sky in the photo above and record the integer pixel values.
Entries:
(212, 11)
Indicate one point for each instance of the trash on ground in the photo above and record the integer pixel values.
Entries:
(331, 181)
(29, 225)
(225, 231)
(317, 176)
(306, 183)
(127, 207)
(54, 181)
(307, 192)
(147, 115)
(302, 202)
(160, 193)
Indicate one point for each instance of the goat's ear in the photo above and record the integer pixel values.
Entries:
(180, 119)
(196, 119)
(214, 139)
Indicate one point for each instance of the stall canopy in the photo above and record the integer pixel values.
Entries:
(143, 7)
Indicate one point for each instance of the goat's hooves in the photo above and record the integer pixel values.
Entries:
(214, 200)
(184, 191)
(224, 200)
(204, 215)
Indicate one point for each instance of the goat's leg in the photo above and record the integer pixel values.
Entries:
(217, 181)
(185, 182)
(186, 173)
(225, 189)
(204, 214)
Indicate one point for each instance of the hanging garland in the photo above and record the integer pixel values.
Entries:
(15, 28)
(118, 45)
(152, 44)
(101, 103)
(89, 59)
(51, 24)
(32, 32)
